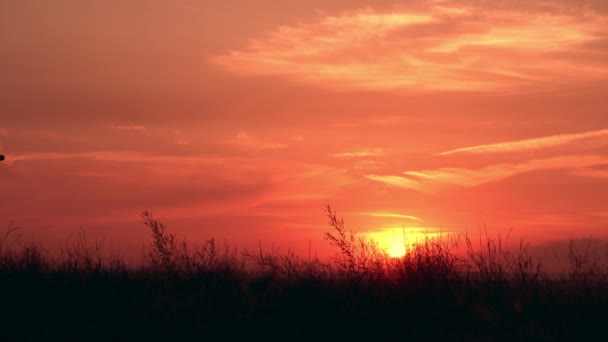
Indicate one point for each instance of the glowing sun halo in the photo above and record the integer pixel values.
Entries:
(392, 241)
(397, 250)
(396, 241)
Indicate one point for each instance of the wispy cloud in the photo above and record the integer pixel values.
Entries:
(592, 172)
(393, 215)
(179, 138)
(247, 141)
(361, 153)
(430, 180)
(397, 181)
(437, 48)
(129, 127)
(127, 157)
(380, 120)
(368, 165)
(529, 144)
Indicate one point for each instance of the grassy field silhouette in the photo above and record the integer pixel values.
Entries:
(440, 290)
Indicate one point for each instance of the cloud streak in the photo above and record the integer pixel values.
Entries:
(438, 48)
(129, 127)
(246, 141)
(376, 152)
(393, 215)
(529, 144)
(432, 180)
(397, 181)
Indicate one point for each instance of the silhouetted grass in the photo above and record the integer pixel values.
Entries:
(442, 289)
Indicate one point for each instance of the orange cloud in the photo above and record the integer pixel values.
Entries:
(397, 181)
(593, 173)
(362, 153)
(393, 215)
(129, 127)
(440, 48)
(247, 141)
(530, 144)
(430, 180)
(133, 158)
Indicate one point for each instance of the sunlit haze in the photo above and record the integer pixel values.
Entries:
(242, 120)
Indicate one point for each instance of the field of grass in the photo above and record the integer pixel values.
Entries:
(441, 290)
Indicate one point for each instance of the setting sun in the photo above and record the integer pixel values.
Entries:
(396, 241)
(390, 240)
(397, 250)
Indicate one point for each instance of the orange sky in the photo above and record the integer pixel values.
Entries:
(243, 119)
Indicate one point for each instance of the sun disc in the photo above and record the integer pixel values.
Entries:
(397, 250)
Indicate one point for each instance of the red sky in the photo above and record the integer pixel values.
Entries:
(243, 119)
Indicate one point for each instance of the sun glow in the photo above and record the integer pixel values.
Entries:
(397, 250)
(396, 241)
(391, 240)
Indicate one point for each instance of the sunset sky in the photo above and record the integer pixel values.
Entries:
(243, 119)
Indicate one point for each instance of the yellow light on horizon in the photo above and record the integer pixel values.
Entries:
(396, 241)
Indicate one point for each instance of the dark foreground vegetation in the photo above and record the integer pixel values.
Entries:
(441, 290)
